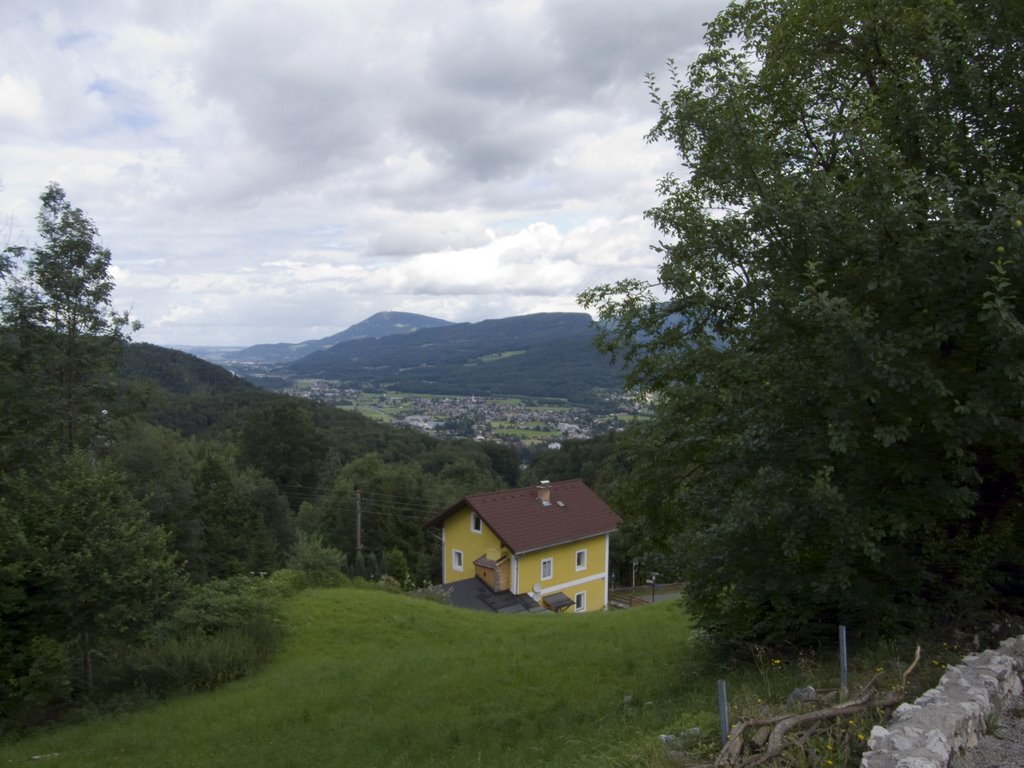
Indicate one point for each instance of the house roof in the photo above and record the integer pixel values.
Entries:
(523, 522)
(473, 593)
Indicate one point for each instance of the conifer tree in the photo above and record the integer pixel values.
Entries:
(60, 330)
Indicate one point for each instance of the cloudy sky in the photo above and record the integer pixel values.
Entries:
(279, 170)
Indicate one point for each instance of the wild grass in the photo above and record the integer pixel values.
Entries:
(371, 678)
(367, 678)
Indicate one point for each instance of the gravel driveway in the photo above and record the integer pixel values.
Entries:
(1002, 749)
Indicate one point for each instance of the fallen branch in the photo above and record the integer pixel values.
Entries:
(774, 745)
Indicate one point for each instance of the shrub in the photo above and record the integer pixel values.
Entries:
(224, 630)
(198, 661)
(38, 681)
(284, 582)
(220, 604)
(396, 565)
(390, 584)
(319, 564)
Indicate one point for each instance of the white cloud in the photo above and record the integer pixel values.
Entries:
(20, 99)
(281, 170)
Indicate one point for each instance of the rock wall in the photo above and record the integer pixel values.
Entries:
(952, 716)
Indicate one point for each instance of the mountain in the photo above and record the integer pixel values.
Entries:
(374, 327)
(539, 355)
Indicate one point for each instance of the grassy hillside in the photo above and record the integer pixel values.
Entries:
(374, 679)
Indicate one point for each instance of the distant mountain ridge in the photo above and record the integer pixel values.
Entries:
(374, 327)
(541, 355)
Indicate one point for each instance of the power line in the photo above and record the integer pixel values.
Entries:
(400, 504)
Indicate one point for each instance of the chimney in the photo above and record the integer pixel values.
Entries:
(544, 492)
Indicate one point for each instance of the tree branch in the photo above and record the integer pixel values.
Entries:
(774, 745)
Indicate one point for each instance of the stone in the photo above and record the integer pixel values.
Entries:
(802, 695)
(950, 717)
(914, 761)
(692, 735)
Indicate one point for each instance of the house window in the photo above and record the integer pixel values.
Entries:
(581, 602)
(581, 559)
(476, 525)
(456, 560)
(547, 568)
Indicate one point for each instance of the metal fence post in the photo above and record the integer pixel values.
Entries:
(723, 712)
(842, 662)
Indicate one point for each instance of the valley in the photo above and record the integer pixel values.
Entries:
(522, 421)
(526, 381)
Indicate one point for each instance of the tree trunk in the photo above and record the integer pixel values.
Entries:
(87, 660)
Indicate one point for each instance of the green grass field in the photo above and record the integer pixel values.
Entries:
(368, 678)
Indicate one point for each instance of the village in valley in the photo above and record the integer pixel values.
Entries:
(520, 421)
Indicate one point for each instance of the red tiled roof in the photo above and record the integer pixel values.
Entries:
(523, 523)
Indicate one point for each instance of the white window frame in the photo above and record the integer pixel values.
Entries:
(550, 563)
(476, 525)
(457, 560)
(581, 562)
(581, 602)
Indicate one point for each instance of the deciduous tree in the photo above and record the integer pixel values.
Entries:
(84, 563)
(283, 443)
(834, 346)
(233, 508)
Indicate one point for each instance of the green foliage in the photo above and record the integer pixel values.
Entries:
(359, 565)
(390, 584)
(504, 462)
(178, 391)
(394, 500)
(220, 604)
(197, 661)
(285, 582)
(595, 461)
(372, 567)
(237, 514)
(396, 566)
(84, 569)
(273, 527)
(460, 467)
(223, 630)
(37, 680)
(319, 564)
(90, 557)
(61, 329)
(282, 443)
(834, 348)
(160, 468)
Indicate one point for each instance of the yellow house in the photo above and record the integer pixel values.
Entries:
(528, 549)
